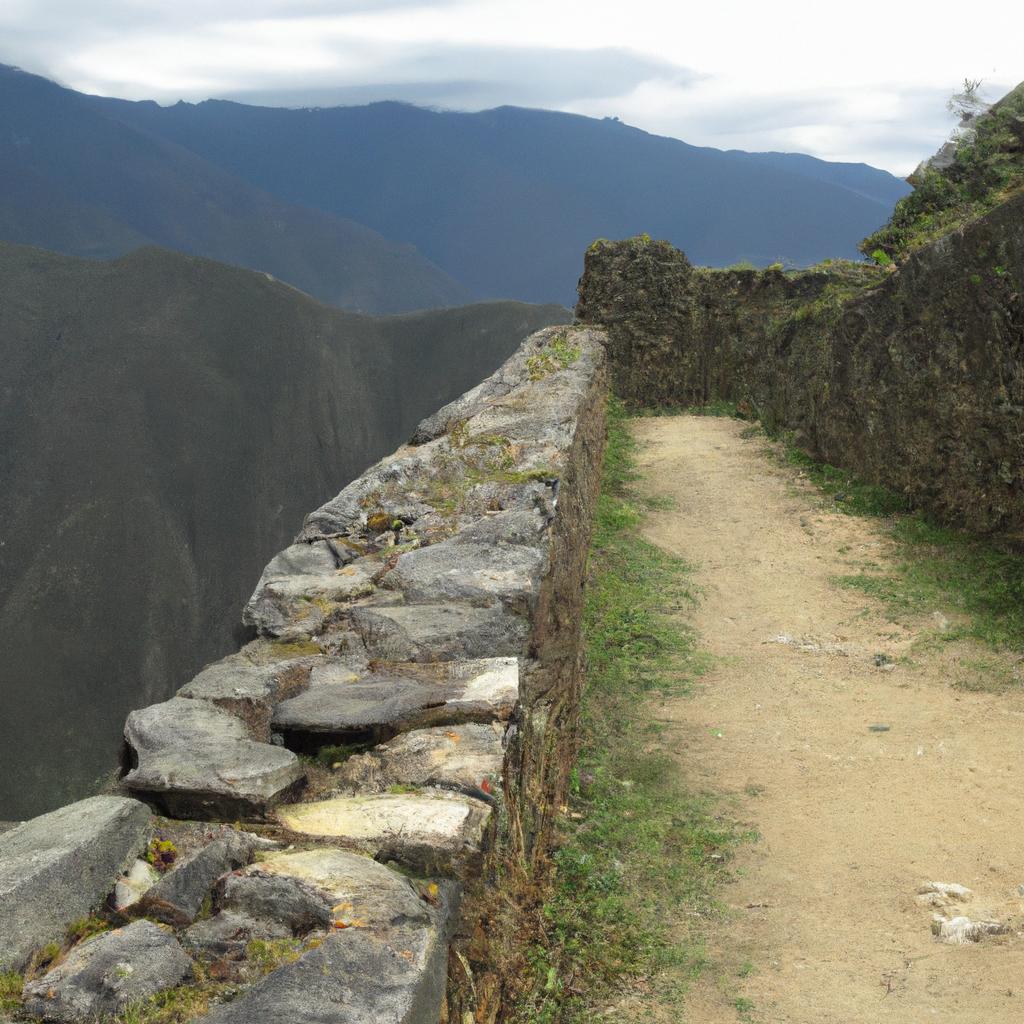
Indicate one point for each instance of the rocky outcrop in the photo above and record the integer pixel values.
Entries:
(913, 378)
(404, 721)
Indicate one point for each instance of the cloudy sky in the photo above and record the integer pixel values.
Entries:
(844, 81)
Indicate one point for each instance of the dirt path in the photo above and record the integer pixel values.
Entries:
(823, 926)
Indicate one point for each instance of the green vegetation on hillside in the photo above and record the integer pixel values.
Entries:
(637, 845)
(987, 169)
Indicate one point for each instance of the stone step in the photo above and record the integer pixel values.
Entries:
(467, 758)
(195, 760)
(429, 831)
(341, 704)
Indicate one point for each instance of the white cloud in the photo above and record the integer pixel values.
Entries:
(853, 82)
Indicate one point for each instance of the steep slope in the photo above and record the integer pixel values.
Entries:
(505, 200)
(74, 179)
(962, 182)
(167, 422)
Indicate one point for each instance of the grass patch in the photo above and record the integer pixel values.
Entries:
(850, 494)
(174, 1006)
(10, 991)
(943, 569)
(639, 854)
(558, 355)
(979, 580)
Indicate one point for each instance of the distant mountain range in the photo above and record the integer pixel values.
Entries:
(389, 207)
(77, 180)
(167, 422)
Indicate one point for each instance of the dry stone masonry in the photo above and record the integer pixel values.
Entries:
(403, 721)
(913, 378)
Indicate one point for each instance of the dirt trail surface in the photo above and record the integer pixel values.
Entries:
(823, 924)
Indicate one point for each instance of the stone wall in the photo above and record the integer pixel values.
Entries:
(394, 742)
(912, 378)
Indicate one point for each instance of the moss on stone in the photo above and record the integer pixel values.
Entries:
(283, 650)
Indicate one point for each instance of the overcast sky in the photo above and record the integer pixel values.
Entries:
(864, 81)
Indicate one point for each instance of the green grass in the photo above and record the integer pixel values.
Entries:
(174, 1006)
(939, 569)
(10, 991)
(849, 493)
(977, 579)
(640, 854)
(988, 169)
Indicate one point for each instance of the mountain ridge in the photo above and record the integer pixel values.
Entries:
(78, 181)
(504, 200)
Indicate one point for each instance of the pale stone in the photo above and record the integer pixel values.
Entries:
(432, 831)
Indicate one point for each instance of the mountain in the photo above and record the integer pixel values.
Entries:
(74, 179)
(167, 422)
(506, 200)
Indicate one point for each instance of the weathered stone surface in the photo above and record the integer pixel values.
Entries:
(343, 703)
(103, 975)
(238, 678)
(395, 474)
(432, 831)
(466, 758)
(228, 933)
(506, 379)
(180, 894)
(525, 526)
(354, 977)
(196, 760)
(57, 868)
(249, 691)
(473, 572)
(293, 596)
(959, 931)
(355, 891)
(340, 702)
(439, 632)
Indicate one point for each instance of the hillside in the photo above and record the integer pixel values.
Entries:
(167, 422)
(506, 200)
(76, 180)
(986, 168)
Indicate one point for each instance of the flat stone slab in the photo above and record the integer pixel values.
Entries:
(105, 974)
(467, 758)
(439, 632)
(249, 691)
(341, 702)
(470, 571)
(354, 977)
(357, 891)
(294, 593)
(59, 867)
(432, 831)
(196, 760)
